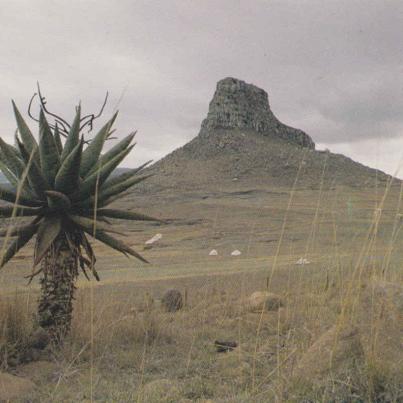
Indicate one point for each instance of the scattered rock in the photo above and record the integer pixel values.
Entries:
(225, 346)
(155, 238)
(335, 352)
(302, 261)
(13, 388)
(161, 390)
(172, 300)
(263, 300)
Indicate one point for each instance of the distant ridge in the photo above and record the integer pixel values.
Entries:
(117, 171)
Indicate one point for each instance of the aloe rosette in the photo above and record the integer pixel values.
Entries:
(65, 188)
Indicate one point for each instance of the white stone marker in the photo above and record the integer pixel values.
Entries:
(155, 238)
(302, 260)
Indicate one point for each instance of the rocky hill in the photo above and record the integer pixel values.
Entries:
(238, 105)
(242, 141)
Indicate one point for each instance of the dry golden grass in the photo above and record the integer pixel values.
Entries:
(122, 340)
(134, 343)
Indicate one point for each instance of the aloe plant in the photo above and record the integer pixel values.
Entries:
(64, 187)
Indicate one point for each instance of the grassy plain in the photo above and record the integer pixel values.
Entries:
(123, 347)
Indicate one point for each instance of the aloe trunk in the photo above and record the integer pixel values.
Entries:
(59, 273)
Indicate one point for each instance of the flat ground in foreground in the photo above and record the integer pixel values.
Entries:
(122, 340)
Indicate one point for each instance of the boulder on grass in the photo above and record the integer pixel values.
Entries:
(172, 301)
(264, 301)
(225, 346)
(14, 388)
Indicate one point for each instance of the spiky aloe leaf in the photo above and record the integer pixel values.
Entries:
(11, 196)
(84, 262)
(48, 230)
(26, 134)
(58, 200)
(88, 248)
(90, 225)
(99, 218)
(108, 191)
(58, 140)
(90, 253)
(14, 180)
(11, 159)
(93, 151)
(90, 203)
(67, 178)
(17, 229)
(112, 153)
(110, 200)
(88, 186)
(8, 174)
(115, 244)
(126, 175)
(48, 151)
(35, 178)
(126, 215)
(22, 239)
(20, 211)
(14, 150)
(74, 135)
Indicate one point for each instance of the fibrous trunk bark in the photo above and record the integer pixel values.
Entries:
(59, 274)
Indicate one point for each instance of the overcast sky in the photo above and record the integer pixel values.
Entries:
(332, 68)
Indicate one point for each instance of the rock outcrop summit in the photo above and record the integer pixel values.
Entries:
(238, 105)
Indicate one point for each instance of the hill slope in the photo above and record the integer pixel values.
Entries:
(248, 158)
(242, 140)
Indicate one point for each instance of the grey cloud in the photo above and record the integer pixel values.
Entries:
(333, 69)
